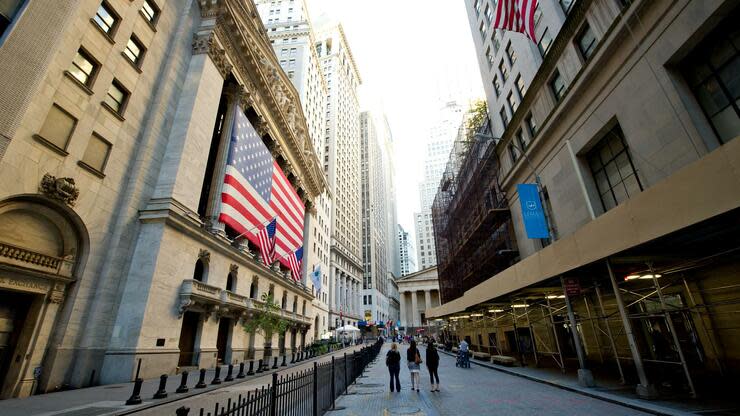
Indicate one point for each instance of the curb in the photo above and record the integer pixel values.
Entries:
(647, 409)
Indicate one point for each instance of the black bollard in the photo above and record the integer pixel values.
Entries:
(162, 390)
(259, 367)
(251, 368)
(182, 411)
(217, 376)
(202, 380)
(292, 357)
(284, 364)
(136, 394)
(274, 365)
(230, 373)
(183, 388)
(241, 370)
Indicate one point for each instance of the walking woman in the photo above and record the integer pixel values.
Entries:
(393, 361)
(433, 365)
(414, 359)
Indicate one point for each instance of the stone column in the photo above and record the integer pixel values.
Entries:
(427, 299)
(403, 314)
(414, 310)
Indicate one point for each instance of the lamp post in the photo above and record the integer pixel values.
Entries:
(537, 180)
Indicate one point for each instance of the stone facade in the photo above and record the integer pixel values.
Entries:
(417, 292)
(125, 261)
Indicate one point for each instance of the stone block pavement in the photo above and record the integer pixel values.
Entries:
(465, 391)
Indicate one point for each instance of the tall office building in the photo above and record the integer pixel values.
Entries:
(341, 159)
(406, 251)
(376, 204)
(508, 61)
(292, 36)
(386, 140)
(441, 137)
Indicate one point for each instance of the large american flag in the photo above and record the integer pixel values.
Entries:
(516, 15)
(256, 191)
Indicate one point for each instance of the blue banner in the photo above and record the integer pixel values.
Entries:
(316, 279)
(532, 213)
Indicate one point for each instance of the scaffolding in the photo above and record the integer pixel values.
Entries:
(471, 218)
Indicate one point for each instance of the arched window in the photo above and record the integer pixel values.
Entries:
(231, 282)
(295, 304)
(304, 308)
(284, 303)
(200, 270)
(253, 288)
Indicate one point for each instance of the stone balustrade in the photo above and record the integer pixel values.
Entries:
(24, 257)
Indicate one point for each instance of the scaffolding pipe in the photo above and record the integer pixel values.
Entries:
(622, 380)
(531, 337)
(672, 328)
(710, 337)
(593, 329)
(555, 335)
(585, 378)
(644, 389)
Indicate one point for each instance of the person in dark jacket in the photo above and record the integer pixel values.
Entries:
(393, 361)
(433, 365)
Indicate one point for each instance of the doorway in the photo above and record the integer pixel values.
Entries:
(13, 313)
(222, 342)
(188, 335)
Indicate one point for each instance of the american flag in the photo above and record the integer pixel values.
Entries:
(516, 15)
(296, 260)
(256, 192)
(266, 238)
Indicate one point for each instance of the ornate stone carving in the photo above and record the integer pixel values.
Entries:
(61, 189)
(204, 255)
(56, 296)
(234, 269)
(206, 43)
(185, 304)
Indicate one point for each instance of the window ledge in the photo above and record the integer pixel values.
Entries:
(112, 111)
(133, 64)
(50, 145)
(84, 87)
(105, 34)
(152, 26)
(91, 169)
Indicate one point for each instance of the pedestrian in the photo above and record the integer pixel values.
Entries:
(414, 359)
(393, 361)
(432, 358)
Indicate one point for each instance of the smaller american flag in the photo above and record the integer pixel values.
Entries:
(267, 242)
(295, 261)
(517, 16)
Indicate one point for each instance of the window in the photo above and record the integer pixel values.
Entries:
(557, 85)
(496, 43)
(8, 10)
(504, 117)
(482, 29)
(586, 42)
(134, 51)
(96, 154)
(566, 5)
(57, 128)
(512, 102)
(106, 19)
(713, 73)
(504, 71)
(531, 125)
(150, 11)
(476, 6)
(489, 14)
(513, 154)
(544, 44)
(612, 169)
(489, 57)
(520, 87)
(520, 141)
(84, 68)
(117, 98)
(537, 15)
(511, 54)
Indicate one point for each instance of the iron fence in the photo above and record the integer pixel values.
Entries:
(308, 392)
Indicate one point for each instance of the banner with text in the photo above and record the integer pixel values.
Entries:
(532, 213)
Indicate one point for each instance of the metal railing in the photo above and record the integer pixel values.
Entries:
(308, 392)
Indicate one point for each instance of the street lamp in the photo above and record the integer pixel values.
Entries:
(534, 172)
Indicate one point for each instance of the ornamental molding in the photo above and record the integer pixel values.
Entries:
(204, 256)
(61, 189)
(205, 43)
(234, 269)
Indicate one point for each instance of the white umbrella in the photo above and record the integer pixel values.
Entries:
(348, 328)
(326, 335)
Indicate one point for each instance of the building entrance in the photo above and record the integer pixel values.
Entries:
(188, 334)
(222, 342)
(13, 312)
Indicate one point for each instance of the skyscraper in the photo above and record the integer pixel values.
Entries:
(290, 30)
(406, 252)
(341, 159)
(441, 137)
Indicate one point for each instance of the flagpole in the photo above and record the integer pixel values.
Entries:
(252, 229)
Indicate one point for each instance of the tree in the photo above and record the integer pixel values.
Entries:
(267, 319)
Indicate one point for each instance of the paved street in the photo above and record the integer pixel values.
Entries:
(471, 391)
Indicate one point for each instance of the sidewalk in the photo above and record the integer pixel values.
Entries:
(110, 399)
(472, 391)
(612, 391)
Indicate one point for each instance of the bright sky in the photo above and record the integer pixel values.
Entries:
(413, 55)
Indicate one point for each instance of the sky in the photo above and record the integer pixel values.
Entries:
(413, 56)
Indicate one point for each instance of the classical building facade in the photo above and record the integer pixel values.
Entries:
(342, 168)
(417, 293)
(292, 36)
(115, 141)
(640, 192)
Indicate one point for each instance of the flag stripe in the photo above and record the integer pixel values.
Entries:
(517, 16)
